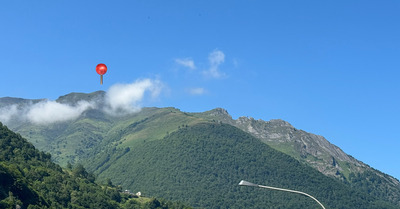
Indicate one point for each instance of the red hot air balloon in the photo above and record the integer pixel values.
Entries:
(101, 69)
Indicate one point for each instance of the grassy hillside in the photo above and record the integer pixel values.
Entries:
(203, 164)
(29, 179)
(95, 131)
(99, 141)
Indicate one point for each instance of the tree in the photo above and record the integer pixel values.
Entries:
(79, 171)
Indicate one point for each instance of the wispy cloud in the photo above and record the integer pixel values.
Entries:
(215, 59)
(8, 112)
(196, 91)
(186, 62)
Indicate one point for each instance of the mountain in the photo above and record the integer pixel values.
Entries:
(29, 179)
(75, 98)
(309, 148)
(104, 142)
(6, 101)
(202, 164)
(315, 151)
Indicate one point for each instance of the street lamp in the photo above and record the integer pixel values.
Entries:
(246, 183)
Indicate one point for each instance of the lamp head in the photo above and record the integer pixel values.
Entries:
(246, 183)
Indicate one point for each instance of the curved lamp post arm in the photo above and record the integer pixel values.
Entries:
(246, 183)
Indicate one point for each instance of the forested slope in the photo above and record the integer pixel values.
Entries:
(315, 151)
(203, 164)
(29, 179)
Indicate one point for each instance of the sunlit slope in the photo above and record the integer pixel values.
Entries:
(94, 131)
(202, 164)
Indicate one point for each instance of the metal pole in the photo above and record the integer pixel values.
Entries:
(246, 183)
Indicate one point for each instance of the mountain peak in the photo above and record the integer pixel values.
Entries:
(280, 122)
(74, 97)
(273, 122)
(217, 114)
(218, 111)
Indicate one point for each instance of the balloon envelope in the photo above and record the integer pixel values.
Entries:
(101, 69)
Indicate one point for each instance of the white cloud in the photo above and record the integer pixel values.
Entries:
(215, 58)
(196, 91)
(44, 112)
(8, 112)
(187, 62)
(119, 99)
(52, 111)
(126, 98)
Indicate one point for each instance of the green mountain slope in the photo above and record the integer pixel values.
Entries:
(29, 179)
(101, 141)
(203, 164)
(316, 152)
(74, 141)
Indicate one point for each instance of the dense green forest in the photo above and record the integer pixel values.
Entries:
(203, 164)
(29, 179)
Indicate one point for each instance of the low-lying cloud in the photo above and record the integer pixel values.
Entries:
(119, 99)
(126, 98)
(43, 112)
(52, 111)
(8, 112)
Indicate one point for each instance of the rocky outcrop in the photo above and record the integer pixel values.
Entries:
(312, 149)
(315, 150)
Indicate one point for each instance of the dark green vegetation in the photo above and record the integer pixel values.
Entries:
(203, 165)
(315, 151)
(30, 179)
(135, 151)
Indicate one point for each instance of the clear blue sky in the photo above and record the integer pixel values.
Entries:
(328, 67)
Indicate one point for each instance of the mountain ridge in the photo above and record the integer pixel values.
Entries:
(74, 97)
(96, 132)
(258, 128)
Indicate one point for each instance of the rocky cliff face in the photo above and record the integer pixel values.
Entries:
(313, 149)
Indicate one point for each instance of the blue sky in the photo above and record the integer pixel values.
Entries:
(327, 67)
